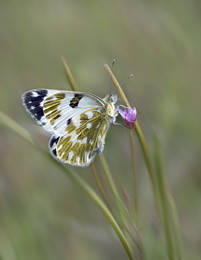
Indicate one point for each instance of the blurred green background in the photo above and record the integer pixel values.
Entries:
(43, 215)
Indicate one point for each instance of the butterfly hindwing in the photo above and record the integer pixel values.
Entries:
(81, 144)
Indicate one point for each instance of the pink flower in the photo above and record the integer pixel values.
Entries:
(129, 115)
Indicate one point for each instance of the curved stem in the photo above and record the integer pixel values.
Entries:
(140, 136)
(135, 177)
(94, 170)
(74, 177)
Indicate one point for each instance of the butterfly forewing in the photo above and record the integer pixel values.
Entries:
(53, 108)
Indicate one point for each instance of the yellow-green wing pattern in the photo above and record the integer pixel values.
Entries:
(84, 138)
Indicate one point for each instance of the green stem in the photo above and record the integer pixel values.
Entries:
(162, 197)
(122, 210)
(109, 176)
(100, 185)
(73, 176)
(164, 202)
(146, 154)
(69, 75)
(140, 136)
(16, 127)
(175, 227)
(94, 170)
(108, 215)
(135, 176)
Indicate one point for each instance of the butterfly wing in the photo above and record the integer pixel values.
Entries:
(77, 122)
(84, 138)
(54, 109)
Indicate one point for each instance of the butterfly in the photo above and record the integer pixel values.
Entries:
(78, 122)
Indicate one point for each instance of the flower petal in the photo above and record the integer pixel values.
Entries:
(129, 114)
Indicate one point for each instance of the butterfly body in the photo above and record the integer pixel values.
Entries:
(78, 122)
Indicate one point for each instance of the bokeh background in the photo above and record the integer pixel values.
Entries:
(43, 215)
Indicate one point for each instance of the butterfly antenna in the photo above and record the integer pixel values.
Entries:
(111, 90)
(113, 62)
(129, 77)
